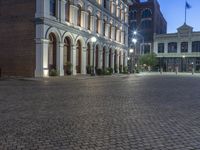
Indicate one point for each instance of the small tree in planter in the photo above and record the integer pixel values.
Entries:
(99, 71)
(110, 70)
(69, 68)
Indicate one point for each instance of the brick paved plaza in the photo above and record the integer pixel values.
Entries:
(103, 113)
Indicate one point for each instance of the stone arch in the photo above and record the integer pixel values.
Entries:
(81, 40)
(90, 9)
(69, 35)
(54, 31)
(81, 3)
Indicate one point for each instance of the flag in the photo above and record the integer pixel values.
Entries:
(187, 5)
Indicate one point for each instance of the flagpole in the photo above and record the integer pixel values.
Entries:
(185, 12)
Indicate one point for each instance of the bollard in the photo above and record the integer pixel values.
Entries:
(161, 70)
(192, 71)
(176, 70)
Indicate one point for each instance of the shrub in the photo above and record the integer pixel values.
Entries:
(99, 71)
(106, 71)
(89, 69)
(120, 69)
(125, 69)
(110, 70)
(69, 68)
(53, 72)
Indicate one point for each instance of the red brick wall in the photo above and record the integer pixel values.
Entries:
(17, 34)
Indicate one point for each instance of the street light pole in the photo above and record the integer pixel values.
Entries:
(93, 40)
(138, 34)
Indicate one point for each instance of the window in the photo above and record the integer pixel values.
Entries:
(79, 16)
(184, 47)
(133, 15)
(89, 20)
(146, 13)
(161, 47)
(172, 47)
(146, 24)
(196, 46)
(67, 10)
(147, 49)
(53, 7)
(104, 4)
(104, 27)
(97, 25)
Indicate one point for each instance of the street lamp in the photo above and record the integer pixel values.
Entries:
(134, 40)
(141, 36)
(93, 40)
(183, 58)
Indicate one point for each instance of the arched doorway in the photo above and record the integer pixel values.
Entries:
(97, 57)
(67, 55)
(104, 58)
(88, 54)
(52, 52)
(78, 56)
(110, 58)
(115, 61)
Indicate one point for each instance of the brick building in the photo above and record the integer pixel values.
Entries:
(146, 18)
(40, 35)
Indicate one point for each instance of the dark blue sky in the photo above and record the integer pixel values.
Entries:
(174, 12)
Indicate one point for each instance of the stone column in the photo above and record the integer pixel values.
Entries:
(100, 57)
(126, 59)
(118, 11)
(42, 69)
(83, 60)
(74, 72)
(126, 18)
(59, 63)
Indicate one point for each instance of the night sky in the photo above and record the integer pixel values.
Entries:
(174, 13)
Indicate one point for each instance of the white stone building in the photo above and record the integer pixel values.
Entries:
(178, 50)
(64, 29)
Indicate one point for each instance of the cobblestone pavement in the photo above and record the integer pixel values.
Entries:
(105, 113)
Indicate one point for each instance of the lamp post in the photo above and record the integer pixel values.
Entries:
(131, 60)
(138, 34)
(183, 58)
(192, 68)
(93, 40)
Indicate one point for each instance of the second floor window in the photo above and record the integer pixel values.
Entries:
(104, 3)
(196, 46)
(184, 47)
(67, 10)
(53, 8)
(160, 47)
(172, 47)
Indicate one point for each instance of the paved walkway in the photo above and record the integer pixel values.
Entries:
(107, 113)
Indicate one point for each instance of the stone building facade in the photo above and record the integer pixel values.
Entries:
(47, 34)
(179, 50)
(146, 18)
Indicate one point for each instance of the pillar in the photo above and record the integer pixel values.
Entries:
(74, 60)
(107, 59)
(84, 19)
(83, 60)
(112, 60)
(100, 57)
(42, 58)
(59, 63)
(73, 14)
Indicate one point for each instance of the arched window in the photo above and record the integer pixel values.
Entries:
(146, 13)
(104, 3)
(79, 16)
(97, 25)
(146, 24)
(104, 27)
(89, 20)
(53, 7)
(67, 10)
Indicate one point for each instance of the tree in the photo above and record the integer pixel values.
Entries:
(149, 60)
